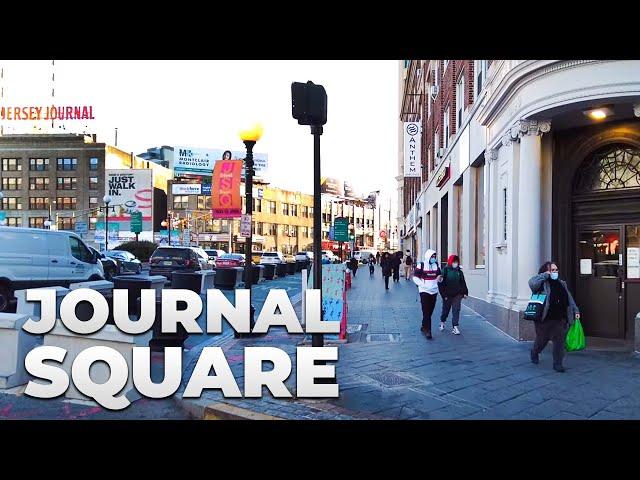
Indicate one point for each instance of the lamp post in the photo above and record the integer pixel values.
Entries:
(107, 200)
(249, 138)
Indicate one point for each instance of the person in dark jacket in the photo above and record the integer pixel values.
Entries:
(453, 289)
(558, 312)
(396, 262)
(372, 264)
(353, 265)
(385, 263)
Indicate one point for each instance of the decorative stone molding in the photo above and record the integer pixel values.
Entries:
(534, 127)
(636, 109)
(491, 155)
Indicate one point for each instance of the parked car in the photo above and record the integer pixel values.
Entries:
(329, 257)
(213, 255)
(109, 265)
(34, 257)
(304, 256)
(166, 260)
(230, 260)
(289, 258)
(272, 258)
(127, 262)
(255, 257)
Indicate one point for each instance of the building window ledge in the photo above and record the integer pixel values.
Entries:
(480, 267)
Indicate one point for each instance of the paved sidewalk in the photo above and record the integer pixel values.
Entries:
(389, 370)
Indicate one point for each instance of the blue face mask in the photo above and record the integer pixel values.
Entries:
(554, 275)
(432, 261)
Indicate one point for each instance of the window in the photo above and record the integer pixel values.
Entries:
(479, 215)
(459, 101)
(38, 183)
(14, 221)
(93, 202)
(504, 214)
(11, 165)
(67, 164)
(269, 229)
(447, 129)
(613, 167)
(66, 203)
(257, 205)
(204, 202)
(445, 64)
(305, 211)
(436, 148)
(93, 183)
(93, 163)
(436, 76)
(480, 69)
(79, 250)
(259, 228)
(11, 183)
(294, 210)
(180, 202)
(67, 183)
(37, 222)
(67, 223)
(285, 209)
(38, 203)
(38, 164)
(293, 230)
(311, 211)
(272, 207)
(428, 106)
(305, 232)
(11, 203)
(92, 223)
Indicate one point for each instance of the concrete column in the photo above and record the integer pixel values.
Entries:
(530, 219)
(491, 221)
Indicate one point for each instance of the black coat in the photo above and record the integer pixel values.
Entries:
(386, 265)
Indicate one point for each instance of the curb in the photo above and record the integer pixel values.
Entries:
(220, 411)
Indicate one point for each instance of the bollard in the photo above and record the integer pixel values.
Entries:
(15, 344)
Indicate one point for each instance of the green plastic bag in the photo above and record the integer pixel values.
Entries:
(575, 337)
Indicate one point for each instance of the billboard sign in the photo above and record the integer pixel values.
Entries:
(200, 161)
(187, 189)
(130, 190)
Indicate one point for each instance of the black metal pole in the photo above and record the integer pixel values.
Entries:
(317, 339)
(248, 194)
(106, 227)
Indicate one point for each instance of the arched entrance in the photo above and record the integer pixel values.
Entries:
(605, 204)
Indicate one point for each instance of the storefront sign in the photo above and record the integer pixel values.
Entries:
(186, 189)
(443, 176)
(225, 197)
(412, 155)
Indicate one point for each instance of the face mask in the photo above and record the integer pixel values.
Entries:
(554, 275)
(455, 265)
(432, 261)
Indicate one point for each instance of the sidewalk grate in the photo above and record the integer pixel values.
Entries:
(389, 379)
(383, 337)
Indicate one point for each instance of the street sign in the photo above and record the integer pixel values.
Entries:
(245, 226)
(331, 233)
(82, 228)
(136, 222)
(186, 237)
(341, 229)
(260, 193)
(206, 189)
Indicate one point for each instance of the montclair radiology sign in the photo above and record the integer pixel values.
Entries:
(51, 112)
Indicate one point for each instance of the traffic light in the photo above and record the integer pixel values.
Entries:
(309, 103)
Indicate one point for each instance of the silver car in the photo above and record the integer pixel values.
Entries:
(127, 262)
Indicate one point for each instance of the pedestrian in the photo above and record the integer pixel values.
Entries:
(408, 265)
(396, 262)
(353, 265)
(372, 264)
(427, 276)
(558, 311)
(453, 289)
(385, 264)
(378, 257)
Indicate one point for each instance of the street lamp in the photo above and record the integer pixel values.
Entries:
(107, 200)
(249, 137)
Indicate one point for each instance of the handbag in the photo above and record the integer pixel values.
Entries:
(534, 309)
(575, 337)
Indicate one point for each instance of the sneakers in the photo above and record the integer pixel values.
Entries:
(534, 358)
(442, 326)
(429, 337)
(455, 331)
(558, 368)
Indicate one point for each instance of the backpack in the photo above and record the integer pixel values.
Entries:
(408, 261)
(534, 309)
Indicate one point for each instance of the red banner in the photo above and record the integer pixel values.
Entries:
(225, 189)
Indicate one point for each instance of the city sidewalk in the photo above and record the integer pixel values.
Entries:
(390, 371)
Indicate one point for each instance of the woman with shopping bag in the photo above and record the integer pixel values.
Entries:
(558, 310)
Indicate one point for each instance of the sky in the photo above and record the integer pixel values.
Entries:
(205, 104)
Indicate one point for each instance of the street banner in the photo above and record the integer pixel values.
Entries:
(225, 194)
(412, 139)
(130, 190)
(245, 226)
(163, 238)
(114, 232)
(332, 294)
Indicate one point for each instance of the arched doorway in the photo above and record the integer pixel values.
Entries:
(606, 225)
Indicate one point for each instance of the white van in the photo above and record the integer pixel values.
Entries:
(33, 257)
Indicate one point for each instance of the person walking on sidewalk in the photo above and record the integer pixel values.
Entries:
(558, 311)
(453, 289)
(396, 262)
(353, 265)
(378, 257)
(372, 264)
(426, 277)
(385, 263)
(408, 265)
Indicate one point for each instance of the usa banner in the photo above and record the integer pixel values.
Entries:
(225, 191)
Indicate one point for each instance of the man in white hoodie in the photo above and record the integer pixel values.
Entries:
(426, 276)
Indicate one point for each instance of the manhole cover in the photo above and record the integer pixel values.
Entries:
(382, 337)
(354, 328)
(389, 379)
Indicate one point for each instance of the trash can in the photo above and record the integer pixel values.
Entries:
(257, 274)
(269, 270)
(135, 283)
(228, 278)
(160, 340)
(291, 268)
(302, 265)
(281, 269)
(197, 282)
